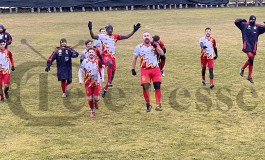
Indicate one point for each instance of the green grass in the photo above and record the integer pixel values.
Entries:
(196, 123)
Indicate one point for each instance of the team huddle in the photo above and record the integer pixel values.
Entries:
(100, 55)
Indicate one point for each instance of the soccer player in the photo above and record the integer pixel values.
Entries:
(149, 69)
(250, 34)
(5, 35)
(109, 40)
(63, 56)
(98, 52)
(98, 44)
(91, 69)
(6, 58)
(208, 46)
(161, 59)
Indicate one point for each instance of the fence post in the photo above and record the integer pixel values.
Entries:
(61, 9)
(54, 9)
(10, 10)
(32, 10)
(83, 9)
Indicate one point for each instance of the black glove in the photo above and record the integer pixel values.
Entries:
(12, 68)
(133, 72)
(136, 27)
(154, 44)
(215, 57)
(89, 25)
(47, 69)
(204, 47)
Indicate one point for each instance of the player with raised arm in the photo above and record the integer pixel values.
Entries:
(109, 49)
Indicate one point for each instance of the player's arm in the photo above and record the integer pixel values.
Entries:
(93, 36)
(261, 29)
(134, 64)
(9, 39)
(74, 54)
(135, 29)
(238, 22)
(158, 49)
(51, 59)
(215, 50)
(11, 59)
(80, 72)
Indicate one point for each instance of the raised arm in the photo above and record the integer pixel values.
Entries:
(238, 22)
(93, 36)
(135, 28)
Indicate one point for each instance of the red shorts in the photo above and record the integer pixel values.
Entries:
(4, 77)
(149, 74)
(107, 58)
(205, 61)
(92, 90)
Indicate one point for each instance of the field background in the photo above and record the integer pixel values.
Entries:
(196, 123)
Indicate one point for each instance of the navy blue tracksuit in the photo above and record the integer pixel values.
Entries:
(63, 57)
(250, 34)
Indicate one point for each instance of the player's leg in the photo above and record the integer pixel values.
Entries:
(162, 64)
(251, 57)
(113, 69)
(156, 78)
(102, 73)
(1, 89)
(244, 66)
(6, 84)
(203, 65)
(109, 71)
(211, 66)
(63, 87)
(89, 94)
(96, 96)
(145, 82)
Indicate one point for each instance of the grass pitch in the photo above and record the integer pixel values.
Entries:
(196, 123)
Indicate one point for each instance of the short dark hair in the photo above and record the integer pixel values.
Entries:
(88, 41)
(207, 28)
(156, 38)
(101, 29)
(1, 41)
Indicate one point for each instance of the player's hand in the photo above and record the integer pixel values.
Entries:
(80, 82)
(154, 44)
(12, 68)
(103, 66)
(133, 72)
(47, 69)
(136, 27)
(89, 25)
(215, 57)
(204, 47)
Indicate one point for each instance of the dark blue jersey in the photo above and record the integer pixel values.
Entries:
(63, 57)
(250, 34)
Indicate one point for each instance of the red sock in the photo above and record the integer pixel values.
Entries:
(158, 96)
(245, 65)
(162, 64)
(63, 85)
(106, 87)
(1, 96)
(109, 71)
(250, 68)
(211, 81)
(91, 105)
(146, 96)
(203, 78)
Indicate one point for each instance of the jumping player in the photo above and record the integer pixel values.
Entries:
(63, 56)
(109, 40)
(6, 58)
(208, 45)
(91, 69)
(149, 69)
(250, 34)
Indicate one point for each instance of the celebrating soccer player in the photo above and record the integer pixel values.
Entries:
(91, 69)
(6, 58)
(161, 59)
(63, 56)
(208, 46)
(250, 33)
(109, 40)
(149, 69)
